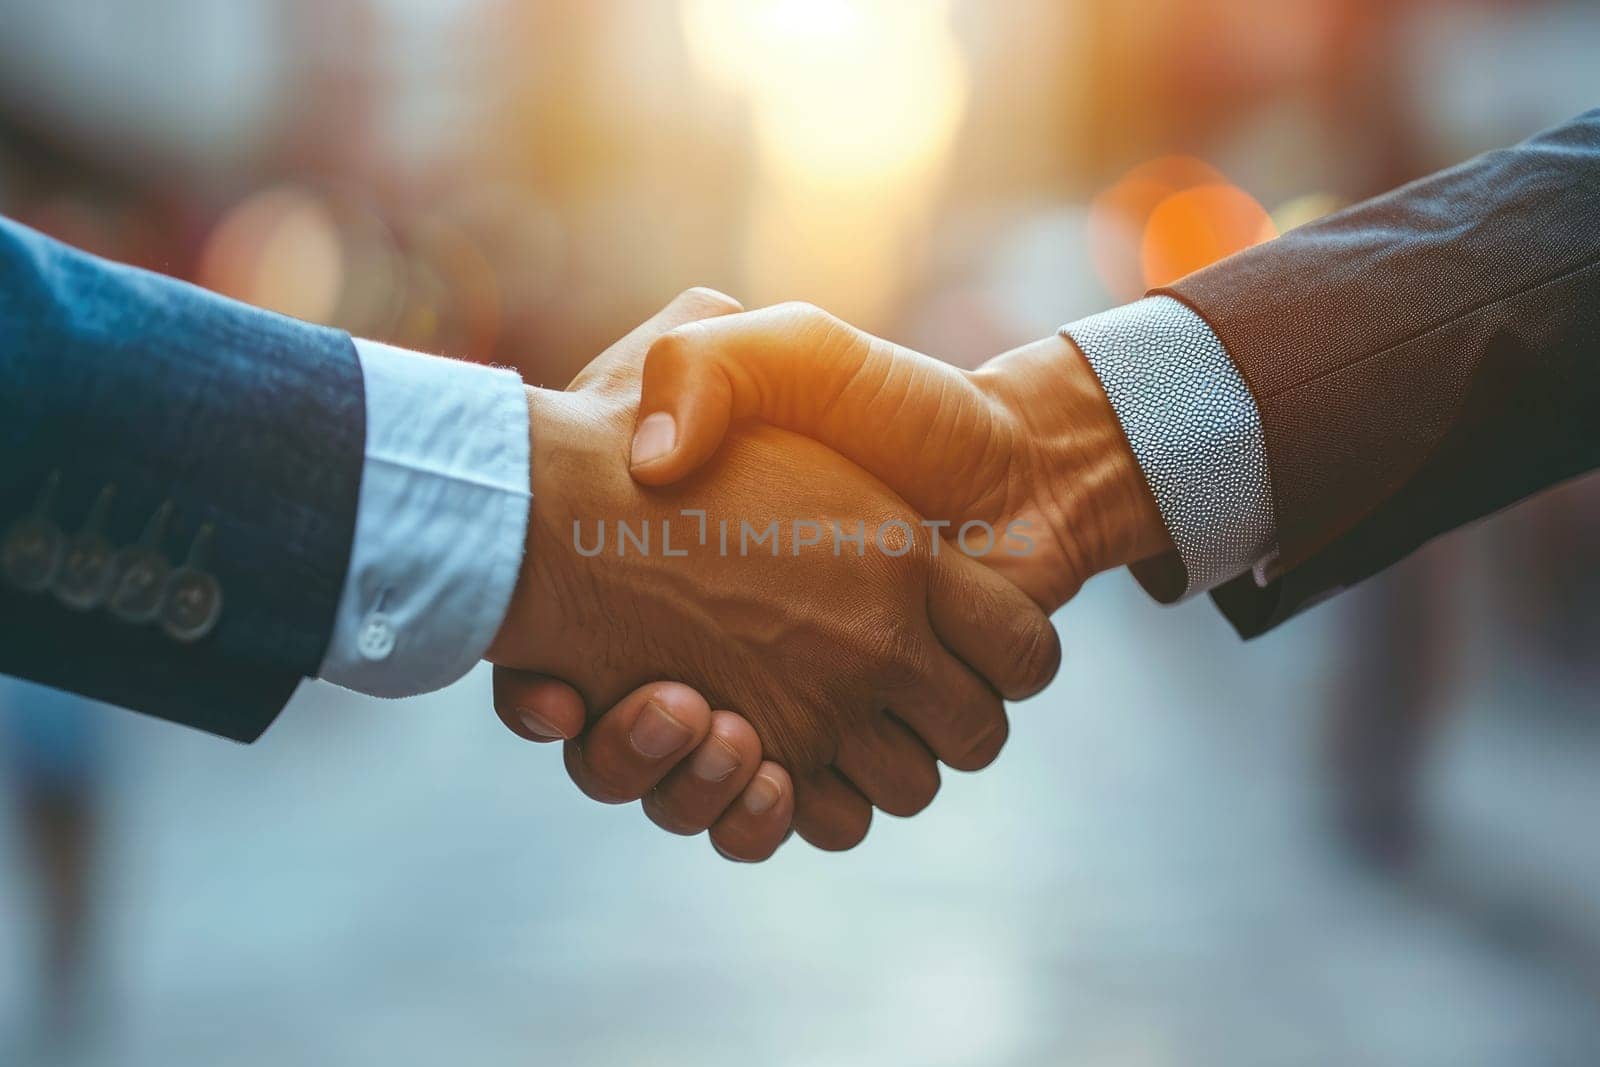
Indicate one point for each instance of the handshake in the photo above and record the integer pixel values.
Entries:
(845, 547)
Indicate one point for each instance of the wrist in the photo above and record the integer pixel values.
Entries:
(1089, 483)
(545, 422)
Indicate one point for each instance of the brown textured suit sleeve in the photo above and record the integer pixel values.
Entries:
(1419, 360)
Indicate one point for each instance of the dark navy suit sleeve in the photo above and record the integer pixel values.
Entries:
(178, 484)
(1419, 360)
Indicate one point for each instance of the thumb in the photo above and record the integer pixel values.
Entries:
(536, 706)
(788, 365)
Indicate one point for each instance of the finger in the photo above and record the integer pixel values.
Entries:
(691, 305)
(994, 627)
(620, 363)
(954, 712)
(829, 812)
(785, 364)
(759, 821)
(633, 746)
(695, 793)
(889, 765)
(537, 707)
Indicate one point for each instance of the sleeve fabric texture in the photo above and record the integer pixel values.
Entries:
(153, 394)
(1195, 432)
(1418, 361)
(360, 509)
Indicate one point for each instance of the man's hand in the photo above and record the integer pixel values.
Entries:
(852, 667)
(709, 776)
(1029, 439)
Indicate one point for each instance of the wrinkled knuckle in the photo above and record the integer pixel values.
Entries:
(897, 657)
(805, 728)
(903, 552)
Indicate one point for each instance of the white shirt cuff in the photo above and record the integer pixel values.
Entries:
(1194, 428)
(440, 524)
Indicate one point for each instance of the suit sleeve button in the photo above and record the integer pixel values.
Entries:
(191, 604)
(141, 573)
(141, 576)
(84, 580)
(377, 637)
(32, 553)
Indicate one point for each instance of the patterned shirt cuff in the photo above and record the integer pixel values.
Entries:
(1196, 433)
(440, 523)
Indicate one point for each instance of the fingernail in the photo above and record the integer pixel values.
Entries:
(760, 795)
(656, 733)
(654, 438)
(715, 760)
(538, 725)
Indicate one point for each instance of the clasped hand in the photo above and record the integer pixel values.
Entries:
(854, 666)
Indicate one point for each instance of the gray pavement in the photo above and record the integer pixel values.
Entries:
(1145, 878)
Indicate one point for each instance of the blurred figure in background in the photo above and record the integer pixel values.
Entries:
(54, 770)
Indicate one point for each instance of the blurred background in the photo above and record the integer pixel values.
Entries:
(1365, 838)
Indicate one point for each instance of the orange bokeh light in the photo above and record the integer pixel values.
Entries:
(279, 249)
(1197, 227)
(1165, 218)
(1117, 217)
